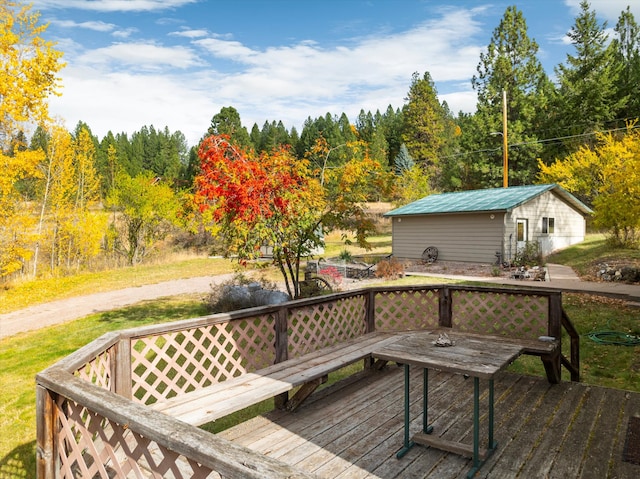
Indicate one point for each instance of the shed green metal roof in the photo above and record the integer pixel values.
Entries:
(494, 199)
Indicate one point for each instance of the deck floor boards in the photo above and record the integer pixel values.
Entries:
(353, 431)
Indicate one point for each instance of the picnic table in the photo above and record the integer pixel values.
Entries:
(468, 355)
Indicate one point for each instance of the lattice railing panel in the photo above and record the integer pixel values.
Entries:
(92, 446)
(503, 314)
(97, 371)
(320, 325)
(407, 310)
(177, 362)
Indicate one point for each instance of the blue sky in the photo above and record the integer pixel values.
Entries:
(176, 63)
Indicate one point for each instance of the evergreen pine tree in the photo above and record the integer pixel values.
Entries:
(587, 92)
(403, 161)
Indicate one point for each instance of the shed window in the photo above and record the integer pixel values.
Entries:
(548, 225)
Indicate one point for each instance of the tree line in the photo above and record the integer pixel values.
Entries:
(70, 199)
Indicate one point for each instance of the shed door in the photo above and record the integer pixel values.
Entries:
(522, 233)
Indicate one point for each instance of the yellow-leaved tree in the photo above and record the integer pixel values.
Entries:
(27, 79)
(69, 231)
(617, 206)
(607, 177)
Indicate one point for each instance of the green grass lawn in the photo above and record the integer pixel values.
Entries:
(611, 366)
(335, 244)
(24, 355)
(594, 250)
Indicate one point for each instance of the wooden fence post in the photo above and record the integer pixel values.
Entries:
(444, 307)
(45, 434)
(282, 349)
(555, 315)
(121, 368)
(370, 320)
(282, 335)
(370, 305)
(553, 363)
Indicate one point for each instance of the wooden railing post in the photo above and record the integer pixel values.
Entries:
(282, 349)
(555, 315)
(121, 368)
(445, 307)
(370, 304)
(553, 363)
(45, 434)
(282, 335)
(574, 364)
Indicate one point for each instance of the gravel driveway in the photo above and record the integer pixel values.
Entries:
(56, 312)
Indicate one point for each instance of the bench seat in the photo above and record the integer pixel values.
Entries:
(221, 399)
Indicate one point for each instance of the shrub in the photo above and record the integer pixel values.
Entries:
(314, 286)
(234, 294)
(529, 255)
(331, 274)
(390, 269)
(346, 256)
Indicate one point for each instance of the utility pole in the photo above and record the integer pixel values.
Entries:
(505, 147)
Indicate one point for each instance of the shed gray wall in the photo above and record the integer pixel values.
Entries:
(459, 237)
(570, 225)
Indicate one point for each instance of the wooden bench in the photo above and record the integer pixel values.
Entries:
(309, 371)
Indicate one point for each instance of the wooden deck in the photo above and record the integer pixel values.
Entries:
(568, 430)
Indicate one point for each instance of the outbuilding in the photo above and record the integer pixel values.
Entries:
(476, 226)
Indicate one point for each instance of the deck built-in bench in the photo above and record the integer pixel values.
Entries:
(308, 371)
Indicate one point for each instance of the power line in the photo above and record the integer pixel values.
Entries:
(581, 135)
(613, 121)
(545, 140)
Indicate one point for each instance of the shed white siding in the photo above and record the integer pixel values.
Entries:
(471, 237)
(569, 224)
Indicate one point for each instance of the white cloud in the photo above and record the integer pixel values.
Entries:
(140, 56)
(464, 100)
(226, 49)
(122, 102)
(439, 47)
(113, 5)
(189, 33)
(124, 33)
(96, 26)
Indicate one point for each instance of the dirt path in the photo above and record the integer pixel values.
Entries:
(56, 312)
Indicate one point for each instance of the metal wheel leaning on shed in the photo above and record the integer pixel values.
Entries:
(430, 255)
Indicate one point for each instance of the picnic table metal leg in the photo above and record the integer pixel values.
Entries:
(408, 444)
(492, 444)
(426, 428)
(476, 427)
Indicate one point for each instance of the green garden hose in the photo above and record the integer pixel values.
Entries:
(616, 338)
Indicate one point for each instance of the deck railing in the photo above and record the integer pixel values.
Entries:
(91, 406)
